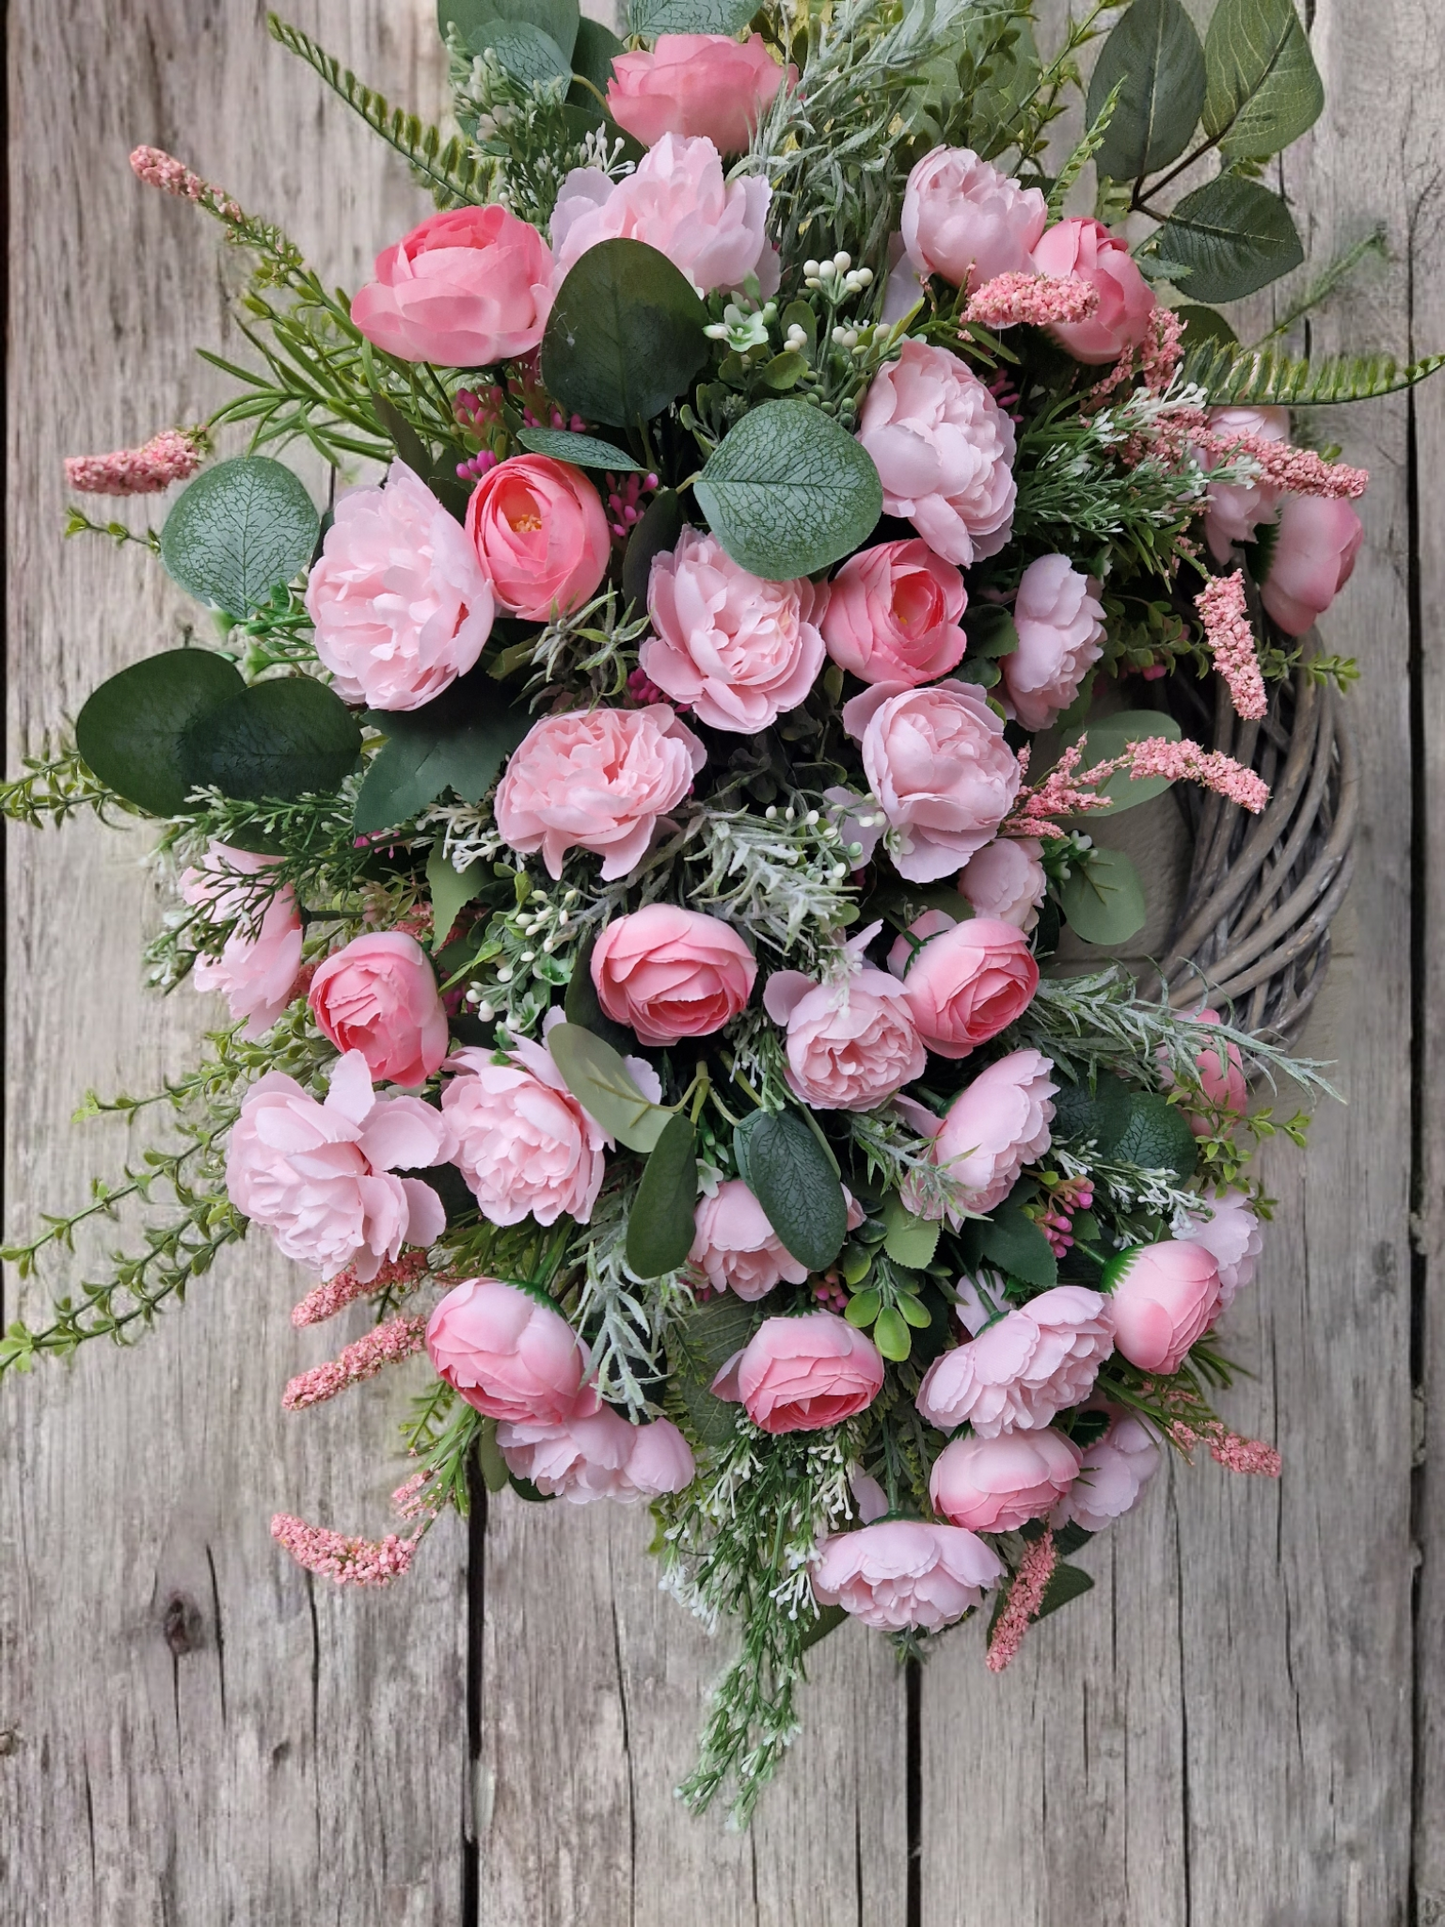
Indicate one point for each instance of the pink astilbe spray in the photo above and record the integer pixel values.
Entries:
(1163, 350)
(172, 456)
(350, 1562)
(1186, 762)
(402, 1274)
(387, 1344)
(1068, 790)
(1297, 471)
(1037, 300)
(1065, 791)
(158, 169)
(413, 1500)
(1229, 1449)
(1026, 1595)
(1230, 635)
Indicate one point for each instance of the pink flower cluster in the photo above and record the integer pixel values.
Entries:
(1230, 636)
(1026, 1596)
(158, 169)
(1023, 1369)
(905, 1572)
(1249, 1456)
(1033, 300)
(259, 963)
(172, 456)
(350, 1562)
(384, 1345)
(398, 1275)
(523, 1142)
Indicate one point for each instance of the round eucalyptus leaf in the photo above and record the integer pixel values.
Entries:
(583, 451)
(1103, 899)
(237, 531)
(132, 730)
(787, 491)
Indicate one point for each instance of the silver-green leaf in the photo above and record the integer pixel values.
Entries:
(1103, 900)
(602, 1084)
(237, 531)
(787, 491)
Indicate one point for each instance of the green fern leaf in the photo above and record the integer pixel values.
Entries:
(1266, 377)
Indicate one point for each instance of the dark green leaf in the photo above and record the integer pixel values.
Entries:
(1204, 324)
(1065, 1583)
(237, 531)
(1099, 1116)
(602, 1084)
(1156, 1137)
(787, 491)
(1016, 1245)
(697, 1349)
(625, 335)
(991, 632)
(282, 739)
(1110, 736)
(451, 890)
(655, 534)
(479, 21)
(596, 49)
(1154, 58)
(583, 1007)
(660, 1225)
(457, 742)
(909, 1241)
(491, 1464)
(652, 17)
(1264, 88)
(131, 730)
(789, 1173)
(1103, 899)
(525, 1489)
(1233, 235)
(584, 451)
(829, 1619)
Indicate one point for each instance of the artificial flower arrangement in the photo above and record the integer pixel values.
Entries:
(634, 827)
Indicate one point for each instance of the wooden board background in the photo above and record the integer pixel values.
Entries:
(1243, 1723)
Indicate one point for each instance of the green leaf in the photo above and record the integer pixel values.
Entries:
(655, 534)
(132, 730)
(863, 1308)
(625, 335)
(451, 890)
(582, 1007)
(1233, 236)
(1100, 1115)
(596, 49)
(892, 1336)
(602, 1084)
(459, 741)
(1065, 1583)
(652, 17)
(583, 451)
(1103, 899)
(529, 54)
(697, 1349)
(1156, 1136)
(787, 491)
(481, 23)
(789, 1173)
(829, 1619)
(1154, 58)
(660, 1225)
(1268, 377)
(287, 738)
(909, 1241)
(492, 1465)
(1015, 1244)
(1204, 324)
(915, 1311)
(237, 531)
(1264, 88)
(1109, 737)
(991, 631)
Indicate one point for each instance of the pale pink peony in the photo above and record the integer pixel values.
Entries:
(1126, 301)
(1163, 1297)
(1005, 879)
(379, 996)
(1115, 1470)
(966, 221)
(1228, 1227)
(598, 1455)
(738, 651)
(399, 602)
(1024, 1369)
(672, 973)
(524, 1143)
(968, 983)
(696, 85)
(1313, 558)
(893, 615)
(992, 1130)
(905, 1572)
(802, 1374)
(508, 1355)
(1060, 623)
(1234, 510)
(257, 968)
(541, 535)
(737, 1247)
(468, 287)
(676, 201)
(998, 1484)
(938, 764)
(596, 780)
(851, 1044)
(944, 451)
(321, 1177)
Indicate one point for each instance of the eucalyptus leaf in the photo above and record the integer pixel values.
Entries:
(451, 890)
(287, 738)
(1264, 88)
(1205, 324)
(583, 1007)
(1065, 1583)
(583, 451)
(132, 729)
(1110, 736)
(1015, 1244)
(625, 335)
(1156, 1136)
(991, 631)
(478, 21)
(660, 1227)
(787, 491)
(652, 17)
(602, 1084)
(909, 1240)
(1233, 236)
(458, 741)
(237, 531)
(789, 1173)
(1103, 899)
(1154, 58)
(529, 54)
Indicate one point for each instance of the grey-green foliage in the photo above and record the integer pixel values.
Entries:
(652, 17)
(1264, 90)
(625, 335)
(787, 492)
(238, 530)
(1154, 61)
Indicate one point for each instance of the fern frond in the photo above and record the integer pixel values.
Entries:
(1267, 377)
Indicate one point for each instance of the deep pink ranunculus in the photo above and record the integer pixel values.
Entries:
(1087, 250)
(969, 982)
(1060, 624)
(598, 1455)
(802, 1374)
(1005, 879)
(1022, 1370)
(1162, 1298)
(523, 1143)
(467, 288)
(672, 973)
(541, 535)
(893, 615)
(993, 1128)
(1115, 1470)
(966, 221)
(379, 996)
(258, 963)
(998, 1484)
(1313, 558)
(905, 1572)
(695, 84)
(509, 1355)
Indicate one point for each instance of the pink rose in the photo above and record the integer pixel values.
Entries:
(1115, 1470)
(1126, 301)
(379, 996)
(992, 1130)
(851, 1044)
(672, 973)
(937, 762)
(598, 1455)
(466, 288)
(509, 1355)
(541, 535)
(321, 1177)
(737, 650)
(257, 968)
(1313, 559)
(1005, 879)
(596, 779)
(737, 1247)
(1221, 1075)
(696, 85)
(1234, 510)
(968, 983)
(908, 943)
(1162, 1298)
(399, 601)
(998, 1484)
(802, 1374)
(893, 615)
(966, 221)
(1060, 623)
(524, 1143)
(1022, 1370)
(1229, 1230)
(714, 232)
(905, 1572)
(944, 451)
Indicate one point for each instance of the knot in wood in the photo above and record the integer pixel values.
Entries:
(181, 1625)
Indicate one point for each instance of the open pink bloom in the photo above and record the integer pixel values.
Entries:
(596, 779)
(1126, 301)
(737, 1247)
(598, 1455)
(851, 1044)
(1115, 1470)
(893, 615)
(1229, 1229)
(466, 288)
(968, 983)
(523, 1142)
(541, 535)
(321, 1177)
(905, 1572)
(676, 201)
(1022, 1370)
(966, 221)
(259, 961)
(1162, 1298)
(937, 762)
(1005, 879)
(992, 1130)
(944, 451)
(509, 1355)
(672, 973)
(399, 601)
(1060, 623)
(1313, 559)
(802, 1374)
(998, 1484)
(738, 651)
(379, 996)
(1234, 510)
(695, 84)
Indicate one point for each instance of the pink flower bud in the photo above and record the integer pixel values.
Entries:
(467, 288)
(379, 996)
(1162, 1298)
(508, 1355)
(968, 983)
(695, 84)
(1126, 301)
(802, 1374)
(999, 1484)
(672, 973)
